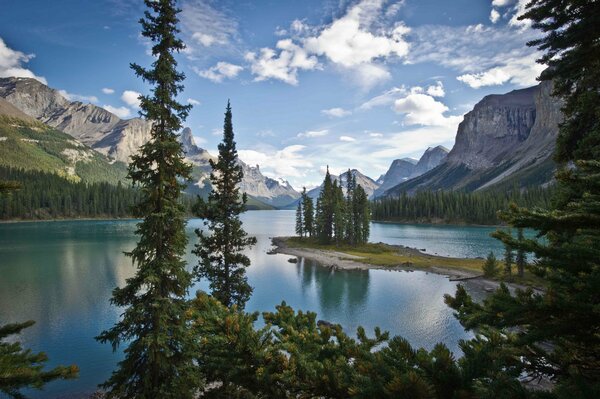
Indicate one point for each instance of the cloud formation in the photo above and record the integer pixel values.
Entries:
(121, 112)
(423, 109)
(78, 97)
(221, 71)
(313, 133)
(12, 63)
(131, 98)
(287, 162)
(107, 90)
(336, 112)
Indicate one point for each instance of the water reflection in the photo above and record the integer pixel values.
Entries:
(61, 274)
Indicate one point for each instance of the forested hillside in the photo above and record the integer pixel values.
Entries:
(457, 206)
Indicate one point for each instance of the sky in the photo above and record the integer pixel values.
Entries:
(349, 84)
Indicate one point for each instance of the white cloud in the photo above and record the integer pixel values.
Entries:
(347, 139)
(131, 98)
(336, 112)
(413, 142)
(501, 3)
(314, 133)
(386, 98)
(12, 63)
(375, 135)
(222, 70)
(78, 97)
(423, 109)
(284, 66)
(205, 39)
(494, 15)
(521, 71)
(121, 112)
(519, 9)
(193, 101)
(106, 90)
(436, 90)
(287, 162)
(348, 42)
(205, 26)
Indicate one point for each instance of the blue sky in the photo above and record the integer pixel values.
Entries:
(312, 83)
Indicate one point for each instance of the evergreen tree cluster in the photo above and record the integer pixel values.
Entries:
(337, 218)
(457, 206)
(46, 195)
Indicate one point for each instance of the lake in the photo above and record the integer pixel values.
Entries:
(61, 275)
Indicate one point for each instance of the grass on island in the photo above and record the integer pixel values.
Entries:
(381, 254)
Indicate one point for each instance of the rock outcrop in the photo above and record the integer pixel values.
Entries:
(92, 125)
(506, 140)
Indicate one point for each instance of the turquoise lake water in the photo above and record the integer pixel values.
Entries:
(61, 275)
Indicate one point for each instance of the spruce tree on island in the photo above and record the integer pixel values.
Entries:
(158, 359)
(222, 262)
(308, 213)
(299, 220)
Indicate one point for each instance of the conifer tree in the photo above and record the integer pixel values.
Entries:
(307, 213)
(363, 219)
(339, 213)
(556, 331)
(509, 259)
(299, 221)
(19, 368)
(350, 208)
(490, 267)
(521, 259)
(222, 262)
(158, 361)
(325, 210)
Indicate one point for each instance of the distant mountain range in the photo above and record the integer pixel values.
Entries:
(117, 139)
(506, 140)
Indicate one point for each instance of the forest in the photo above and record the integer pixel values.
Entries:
(458, 207)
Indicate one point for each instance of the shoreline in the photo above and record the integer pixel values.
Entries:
(338, 260)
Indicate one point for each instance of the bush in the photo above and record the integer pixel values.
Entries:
(491, 267)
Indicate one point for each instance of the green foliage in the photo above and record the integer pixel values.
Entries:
(509, 259)
(222, 262)
(308, 213)
(158, 361)
(491, 268)
(342, 220)
(480, 207)
(296, 356)
(20, 368)
(299, 220)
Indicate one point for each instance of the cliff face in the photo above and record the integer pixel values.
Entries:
(88, 123)
(505, 140)
(431, 158)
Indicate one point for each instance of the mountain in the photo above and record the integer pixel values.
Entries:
(28, 144)
(404, 169)
(505, 140)
(92, 125)
(106, 133)
(368, 184)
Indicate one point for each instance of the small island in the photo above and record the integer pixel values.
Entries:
(390, 257)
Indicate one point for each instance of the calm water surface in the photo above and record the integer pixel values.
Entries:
(61, 275)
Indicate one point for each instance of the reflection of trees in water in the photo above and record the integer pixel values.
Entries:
(336, 289)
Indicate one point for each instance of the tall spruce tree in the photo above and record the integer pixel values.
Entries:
(158, 360)
(299, 220)
(325, 210)
(555, 333)
(221, 261)
(350, 208)
(308, 213)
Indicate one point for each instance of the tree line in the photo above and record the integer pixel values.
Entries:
(210, 347)
(336, 218)
(458, 206)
